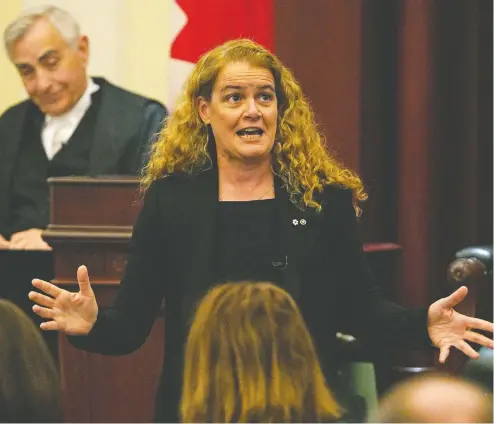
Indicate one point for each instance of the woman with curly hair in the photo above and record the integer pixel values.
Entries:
(240, 187)
(250, 358)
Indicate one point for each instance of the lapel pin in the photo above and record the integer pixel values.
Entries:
(303, 222)
(295, 222)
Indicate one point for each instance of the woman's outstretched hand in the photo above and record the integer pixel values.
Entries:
(71, 313)
(448, 328)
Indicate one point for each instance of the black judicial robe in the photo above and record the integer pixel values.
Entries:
(112, 139)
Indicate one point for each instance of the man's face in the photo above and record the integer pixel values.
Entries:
(53, 73)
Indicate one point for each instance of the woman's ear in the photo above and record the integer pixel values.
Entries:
(203, 108)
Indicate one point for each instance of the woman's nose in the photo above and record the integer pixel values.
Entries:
(252, 110)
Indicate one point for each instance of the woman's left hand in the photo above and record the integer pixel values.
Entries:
(448, 328)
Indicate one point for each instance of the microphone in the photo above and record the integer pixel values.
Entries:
(280, 264)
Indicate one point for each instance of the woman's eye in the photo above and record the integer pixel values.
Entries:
(266, 97)
(233, 98)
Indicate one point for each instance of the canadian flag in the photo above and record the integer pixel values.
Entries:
(200, 25)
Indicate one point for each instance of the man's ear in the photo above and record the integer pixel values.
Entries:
(83, 48)
(203, 108)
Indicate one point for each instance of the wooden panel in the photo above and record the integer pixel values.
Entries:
(385, 263)
(91, 224)
(87, 201)
(100, 388)
(105, 260)
(321, 42)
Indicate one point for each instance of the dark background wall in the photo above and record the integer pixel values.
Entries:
(403, 92)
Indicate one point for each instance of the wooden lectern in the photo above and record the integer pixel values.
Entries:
(91, 224)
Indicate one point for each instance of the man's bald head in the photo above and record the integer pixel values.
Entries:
(435, 398)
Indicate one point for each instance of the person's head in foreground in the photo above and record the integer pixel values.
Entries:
(29, 381)
(50, 54)
(241, 107)
(250, 358)
(435, 398)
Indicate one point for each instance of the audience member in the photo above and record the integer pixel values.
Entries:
(250, 358)
(435, 398)
(29, 382)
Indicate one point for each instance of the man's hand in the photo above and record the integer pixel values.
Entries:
(4, 244)
(28, 240)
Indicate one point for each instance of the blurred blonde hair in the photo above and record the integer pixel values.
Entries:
(299, 155)
(250, 358)
(30, 389)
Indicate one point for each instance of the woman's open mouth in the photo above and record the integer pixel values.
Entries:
(250, 134)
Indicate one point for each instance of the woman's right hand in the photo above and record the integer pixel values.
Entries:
(71, 313)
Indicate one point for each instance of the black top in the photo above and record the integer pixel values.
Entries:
(174, 255)
(247, 241)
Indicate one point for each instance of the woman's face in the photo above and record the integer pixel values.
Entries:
(242, 112)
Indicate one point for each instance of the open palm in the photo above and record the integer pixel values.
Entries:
(448, 328)
(71, 313)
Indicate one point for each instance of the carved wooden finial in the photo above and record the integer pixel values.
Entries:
(464, 270)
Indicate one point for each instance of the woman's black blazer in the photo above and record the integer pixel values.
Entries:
(172, 257)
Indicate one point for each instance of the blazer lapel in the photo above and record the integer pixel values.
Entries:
(202, 205)
(297, 230)
(117, 122)
(107, 134)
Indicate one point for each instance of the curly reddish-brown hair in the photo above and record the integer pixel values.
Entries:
(300, 158)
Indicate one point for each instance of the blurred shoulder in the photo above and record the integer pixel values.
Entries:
(336, 194)
(128, 95)
(174, 197)
(15, 110)
(337, 203)
(170, 184)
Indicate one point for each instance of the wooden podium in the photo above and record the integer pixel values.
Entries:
(91, 224)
